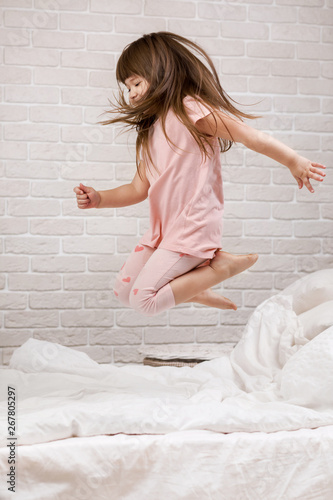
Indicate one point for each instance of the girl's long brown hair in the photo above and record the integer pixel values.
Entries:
(172, 72)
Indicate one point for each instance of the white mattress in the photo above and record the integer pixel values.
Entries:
(182, 465)
(256, 424)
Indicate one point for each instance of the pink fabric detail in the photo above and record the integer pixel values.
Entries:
(138, 248)
(151, 272)
(186, 196)
(127, 280)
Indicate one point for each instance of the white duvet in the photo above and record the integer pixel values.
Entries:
(278, 378)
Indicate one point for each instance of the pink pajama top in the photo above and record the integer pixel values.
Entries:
(186, 198)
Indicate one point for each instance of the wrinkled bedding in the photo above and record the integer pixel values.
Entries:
(255, 424)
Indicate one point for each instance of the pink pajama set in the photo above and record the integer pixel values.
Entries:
(186, 209)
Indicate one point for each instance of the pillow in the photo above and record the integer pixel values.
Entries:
(306, 378)
(317, 319)
(40, 355)
(311, 290)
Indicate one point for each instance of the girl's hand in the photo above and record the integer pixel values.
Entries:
(87, 197)
(303, 170)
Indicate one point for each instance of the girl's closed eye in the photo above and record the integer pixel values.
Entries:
(136, 85)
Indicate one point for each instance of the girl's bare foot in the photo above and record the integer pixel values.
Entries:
(228, 264)
(210, 298)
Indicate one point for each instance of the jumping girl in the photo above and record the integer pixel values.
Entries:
(184, 119)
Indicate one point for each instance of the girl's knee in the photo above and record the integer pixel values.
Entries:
(142, 302)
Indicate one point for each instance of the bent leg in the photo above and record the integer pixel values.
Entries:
(151, 293)
(129, 272)
(223, 266)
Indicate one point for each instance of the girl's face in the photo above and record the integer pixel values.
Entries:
(137, 86)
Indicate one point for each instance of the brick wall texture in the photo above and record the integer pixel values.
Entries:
(58, 263)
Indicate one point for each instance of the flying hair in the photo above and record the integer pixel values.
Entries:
(173, 71)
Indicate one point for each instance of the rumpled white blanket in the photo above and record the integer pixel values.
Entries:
(278, 377)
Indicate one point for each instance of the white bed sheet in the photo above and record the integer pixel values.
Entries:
(272, 397)
(184, 465)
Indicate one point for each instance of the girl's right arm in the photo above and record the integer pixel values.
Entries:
(122, 196)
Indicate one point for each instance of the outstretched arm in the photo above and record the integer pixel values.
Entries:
(226, 127)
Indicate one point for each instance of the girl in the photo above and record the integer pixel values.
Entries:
(184, 119)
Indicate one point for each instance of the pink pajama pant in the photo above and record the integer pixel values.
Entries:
(143, 282)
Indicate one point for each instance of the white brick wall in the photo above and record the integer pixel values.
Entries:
(57, 263)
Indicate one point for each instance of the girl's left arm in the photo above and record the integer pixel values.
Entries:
(231, 128)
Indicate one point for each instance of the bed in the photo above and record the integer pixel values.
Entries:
(255, 424)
